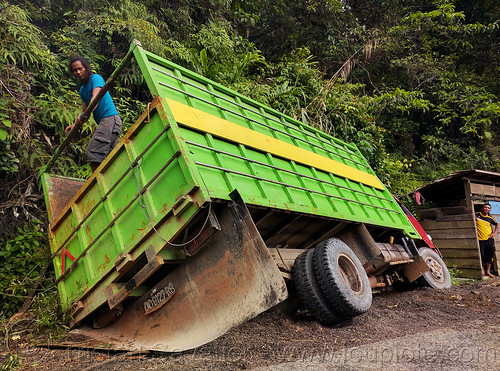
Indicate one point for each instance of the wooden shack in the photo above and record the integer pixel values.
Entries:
(450, 219)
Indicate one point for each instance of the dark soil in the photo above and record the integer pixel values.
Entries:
(273, 337)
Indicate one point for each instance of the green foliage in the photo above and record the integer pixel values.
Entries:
(403, 101)
(21, 42)
(5, 122)
(14, 123)
(218, 54)
(282, 28)
(466, 107)
(57, 111)
(441, 30)
(443, 157)
(9, 163)
(216, 38)
(397, 174)
(203, 65)
(411, 87)
(21, 260)
(128, 109)
(42, 322)
(297, 80)
(11, 362)
(455, 273)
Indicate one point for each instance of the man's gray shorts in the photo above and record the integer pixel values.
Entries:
(104, 138)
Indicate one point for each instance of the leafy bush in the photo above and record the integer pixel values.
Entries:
(21, 260)
(9, 163)
(454, 274)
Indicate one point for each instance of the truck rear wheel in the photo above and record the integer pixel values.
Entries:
(342, 278)
(309, 290)
(438, 276)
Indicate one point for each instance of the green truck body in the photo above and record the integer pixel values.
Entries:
(152, 203)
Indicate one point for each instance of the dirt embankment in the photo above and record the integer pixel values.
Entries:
(457, 328)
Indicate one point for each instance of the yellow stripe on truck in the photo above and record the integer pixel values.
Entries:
(219, 127)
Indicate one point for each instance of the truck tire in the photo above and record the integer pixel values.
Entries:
(309, 291)
(438, 277)
(342, 278)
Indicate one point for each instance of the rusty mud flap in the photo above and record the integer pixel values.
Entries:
(230, 280)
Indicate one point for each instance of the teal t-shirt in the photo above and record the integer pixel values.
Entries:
(106, 107)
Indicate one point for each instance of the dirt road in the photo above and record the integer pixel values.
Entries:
(420, 329)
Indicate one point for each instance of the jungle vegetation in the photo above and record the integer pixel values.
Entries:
(415, 84)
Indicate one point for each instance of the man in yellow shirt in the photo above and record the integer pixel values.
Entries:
(484, 223)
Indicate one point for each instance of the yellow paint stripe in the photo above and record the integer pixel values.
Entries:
(217, 126)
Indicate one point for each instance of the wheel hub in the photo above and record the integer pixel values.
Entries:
(349, 273)
(436, 270)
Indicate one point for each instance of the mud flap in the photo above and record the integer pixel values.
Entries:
(231, 280)
(414, 270)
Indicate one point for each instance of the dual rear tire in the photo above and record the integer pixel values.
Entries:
(332, 282)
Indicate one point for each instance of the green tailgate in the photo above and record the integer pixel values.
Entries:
(142, 196)
(270, 158)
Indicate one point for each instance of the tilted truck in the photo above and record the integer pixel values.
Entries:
(208, 208)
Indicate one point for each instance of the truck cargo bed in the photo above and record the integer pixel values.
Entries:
(147, 211)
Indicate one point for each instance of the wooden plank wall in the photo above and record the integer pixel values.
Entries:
(457, 241)
(490, 191)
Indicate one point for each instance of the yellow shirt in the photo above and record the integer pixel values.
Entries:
(483, 224)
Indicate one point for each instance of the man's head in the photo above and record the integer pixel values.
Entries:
(486, 208)
(80, 67)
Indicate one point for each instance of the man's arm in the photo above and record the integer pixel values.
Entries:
(84, 107)
(495, 231)
(94, 93)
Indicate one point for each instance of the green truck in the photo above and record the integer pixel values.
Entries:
(209, 211)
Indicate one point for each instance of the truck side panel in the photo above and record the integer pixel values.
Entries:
(273, 160)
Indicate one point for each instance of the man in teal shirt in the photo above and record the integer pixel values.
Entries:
(109, 124)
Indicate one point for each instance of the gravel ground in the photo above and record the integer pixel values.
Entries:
(418, 329)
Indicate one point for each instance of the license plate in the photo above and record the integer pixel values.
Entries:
(158, 298)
